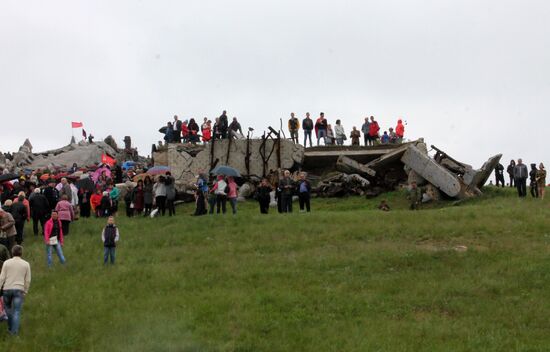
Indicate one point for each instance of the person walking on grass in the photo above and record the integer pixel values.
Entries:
(520, 178)
(7, 229)
(66, 213)
(53, 238)
(304, 193)
(541, 180)
(533, 186)
(510, 171)
(15, 279)
(21, 214)
(110, 237)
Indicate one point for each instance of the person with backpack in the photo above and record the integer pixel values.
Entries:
(293, 127)
(307, 126)
(110, 236)
(53, 238)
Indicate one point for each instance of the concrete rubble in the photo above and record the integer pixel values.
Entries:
(81, 153)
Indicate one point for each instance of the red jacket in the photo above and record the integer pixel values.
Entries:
(400, 129)
(206, 134)
(373, 129)
(48, 227)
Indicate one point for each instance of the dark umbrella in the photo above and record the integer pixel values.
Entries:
(86, 183)
(8, 177)
(225, 170)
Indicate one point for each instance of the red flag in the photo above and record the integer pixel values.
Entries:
(76, 124)
(105, 159)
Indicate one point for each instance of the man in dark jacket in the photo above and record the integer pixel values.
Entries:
(499, 174)
(307, 126)
(235, 127)
(287, 187)
(224, 124)
(304, 191)
(177, 129)
(40, 210)
(51, 194)
(19, 213)
(520, 178)
(533, 186)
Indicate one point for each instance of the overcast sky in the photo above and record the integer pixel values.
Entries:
(471, 76)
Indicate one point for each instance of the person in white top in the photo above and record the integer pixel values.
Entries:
(15, 280)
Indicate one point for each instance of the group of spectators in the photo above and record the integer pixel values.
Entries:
(188, 131)
(213, 197)
(518, 173)
(324, 131)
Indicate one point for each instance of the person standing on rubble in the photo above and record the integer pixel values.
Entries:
(373, 130)
(400, 131)
(307, 126)
(321, 126)
(365, 129)
(520, 178)
(177, 129)
(224, 124)
(293, 127)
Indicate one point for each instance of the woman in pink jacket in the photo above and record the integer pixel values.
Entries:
(232, 194)
(53, 237)
(66, 213)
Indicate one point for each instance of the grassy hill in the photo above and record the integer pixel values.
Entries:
(345, 277)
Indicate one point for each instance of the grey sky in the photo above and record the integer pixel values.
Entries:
(472, 77)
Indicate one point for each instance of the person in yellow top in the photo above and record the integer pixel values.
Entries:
(15, 280)
(541, 180)
(293, 127)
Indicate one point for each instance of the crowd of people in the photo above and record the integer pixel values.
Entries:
(188, 131)
(518, 174)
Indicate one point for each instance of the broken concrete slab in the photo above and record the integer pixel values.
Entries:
(348, 165)
(434, 173)
(485, 171)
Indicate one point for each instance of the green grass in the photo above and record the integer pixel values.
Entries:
(346, 277)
